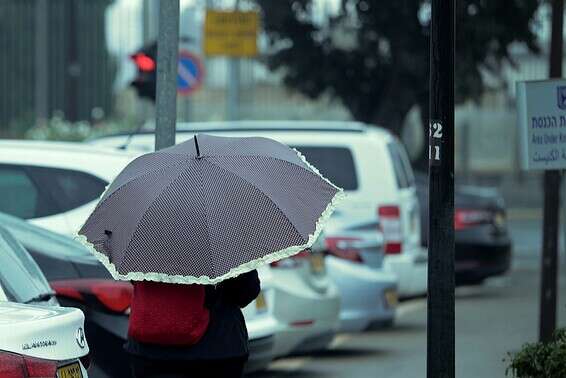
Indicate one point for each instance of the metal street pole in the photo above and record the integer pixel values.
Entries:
(440, 323)
(233, 103)
(552, 178)
(167, 55)
(233, 85)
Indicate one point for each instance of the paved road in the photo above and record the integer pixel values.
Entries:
(490, 321)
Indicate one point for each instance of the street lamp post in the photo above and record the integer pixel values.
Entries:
(552, 180)
(440, 323)
(167, 55)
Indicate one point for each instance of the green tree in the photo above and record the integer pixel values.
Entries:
(374, 55)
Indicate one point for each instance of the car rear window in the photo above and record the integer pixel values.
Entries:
(403, 172)
(334, 163)
(20, 277)
(78, 188)
(21, 196)
(70, 188)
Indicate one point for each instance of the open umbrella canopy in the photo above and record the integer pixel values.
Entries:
(208, 209)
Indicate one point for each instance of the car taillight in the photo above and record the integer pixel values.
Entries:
(40, 368)
(115, 296)
(17, 366)
(465, 218)
(390, 226)
(291, 262)
(344, 248)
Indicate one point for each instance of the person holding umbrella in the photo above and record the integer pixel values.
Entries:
(189, 225)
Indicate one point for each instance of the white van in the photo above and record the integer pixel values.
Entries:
(368, 162)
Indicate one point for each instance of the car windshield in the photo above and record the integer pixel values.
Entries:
(335, 163)
(20, 277)
(37, 239)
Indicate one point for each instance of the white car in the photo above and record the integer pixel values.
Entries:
(369, 295)
(262, 327)
(296, 288)
(72, 269)
(367, 161)
(39, 338)
(39, 341)
(306, 303)
(55, 185)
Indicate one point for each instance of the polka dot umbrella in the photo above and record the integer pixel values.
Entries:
(207, 210)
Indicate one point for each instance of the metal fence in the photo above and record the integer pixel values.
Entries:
(54, 61)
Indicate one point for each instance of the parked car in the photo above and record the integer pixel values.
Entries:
(82, 282)
(39, 338)
(483, 245)
(59, 257)
(369, 294)
(368, 162)
(294, 285)
(106, 304)
(39, 341)
(306, 303)
(55, 185)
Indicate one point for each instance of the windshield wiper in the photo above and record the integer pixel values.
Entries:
(41, 298)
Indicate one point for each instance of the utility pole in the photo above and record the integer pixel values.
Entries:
(41, 62)
(551, 219)
(440, 312)
(233, 85)
(167, 64)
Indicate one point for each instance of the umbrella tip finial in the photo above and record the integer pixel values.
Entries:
(196, 146)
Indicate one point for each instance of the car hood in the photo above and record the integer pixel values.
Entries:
(49, 332)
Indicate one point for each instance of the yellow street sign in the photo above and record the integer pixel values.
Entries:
(231, 33)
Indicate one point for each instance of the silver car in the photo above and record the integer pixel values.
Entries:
(354, 259)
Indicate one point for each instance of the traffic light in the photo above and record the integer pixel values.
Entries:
(145, 60)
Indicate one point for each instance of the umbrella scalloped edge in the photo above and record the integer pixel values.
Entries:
(234, 272)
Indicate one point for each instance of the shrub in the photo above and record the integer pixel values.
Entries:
(540, 360)
(62, 130)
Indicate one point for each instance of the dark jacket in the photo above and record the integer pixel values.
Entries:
(226, 335)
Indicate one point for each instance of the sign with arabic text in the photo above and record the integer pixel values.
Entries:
(541, 118)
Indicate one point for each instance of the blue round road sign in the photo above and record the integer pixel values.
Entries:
(190, 73)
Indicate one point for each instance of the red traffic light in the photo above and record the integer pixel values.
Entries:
(143, 62)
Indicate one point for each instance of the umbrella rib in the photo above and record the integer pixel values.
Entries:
(125, 185)
(152, 204)
(260, 191)
(145, 174)
(306, 168)
(201, 184)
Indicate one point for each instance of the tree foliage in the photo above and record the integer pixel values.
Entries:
(374, 55)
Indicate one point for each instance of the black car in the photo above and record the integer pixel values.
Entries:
(81, 281)
(483, 245)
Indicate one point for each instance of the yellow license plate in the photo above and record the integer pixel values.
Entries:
(317, 263)
(391, 298)
(260, 303)
(70, 371)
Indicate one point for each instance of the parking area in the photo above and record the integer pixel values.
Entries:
(491, 320)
